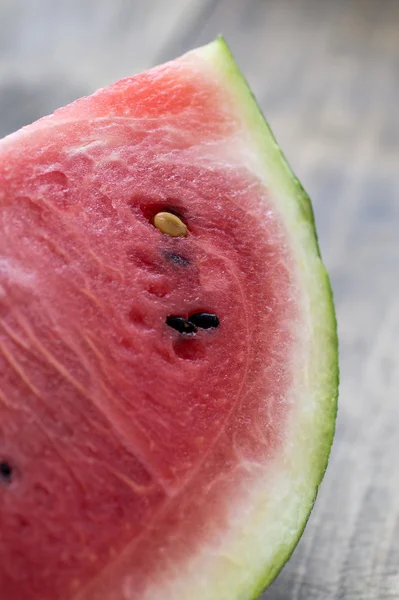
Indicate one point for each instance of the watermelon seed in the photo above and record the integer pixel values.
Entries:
(181, 324)
(205, 320)
(170, 224)
(177, 259)
(5, 471)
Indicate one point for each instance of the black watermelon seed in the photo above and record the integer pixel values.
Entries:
(5, 471)
(181, 324)
(177, 259)
(205, 320)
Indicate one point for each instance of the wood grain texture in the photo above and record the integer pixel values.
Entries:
(327, 77)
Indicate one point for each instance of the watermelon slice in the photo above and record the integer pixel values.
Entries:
(168, 350)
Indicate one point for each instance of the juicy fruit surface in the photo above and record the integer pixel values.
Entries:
(125, 438)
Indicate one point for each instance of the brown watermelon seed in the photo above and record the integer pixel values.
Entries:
(5, 471)
(181, 324)
(205, 320)
(170, 224)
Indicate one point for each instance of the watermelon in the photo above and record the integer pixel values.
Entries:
(168, 350)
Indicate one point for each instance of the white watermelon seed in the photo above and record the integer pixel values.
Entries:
(170, 224)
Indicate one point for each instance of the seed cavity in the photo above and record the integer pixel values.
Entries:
(170, 224)
(5, 471)
(181, 324)
(205, 320)
(189, 348)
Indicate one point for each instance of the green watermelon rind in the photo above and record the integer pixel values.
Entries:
(219, 54)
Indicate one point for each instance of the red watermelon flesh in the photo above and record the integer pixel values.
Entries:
(130, 445)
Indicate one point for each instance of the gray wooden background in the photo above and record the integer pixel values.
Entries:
(327, 76)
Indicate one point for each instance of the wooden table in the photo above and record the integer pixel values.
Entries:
(327, 77)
